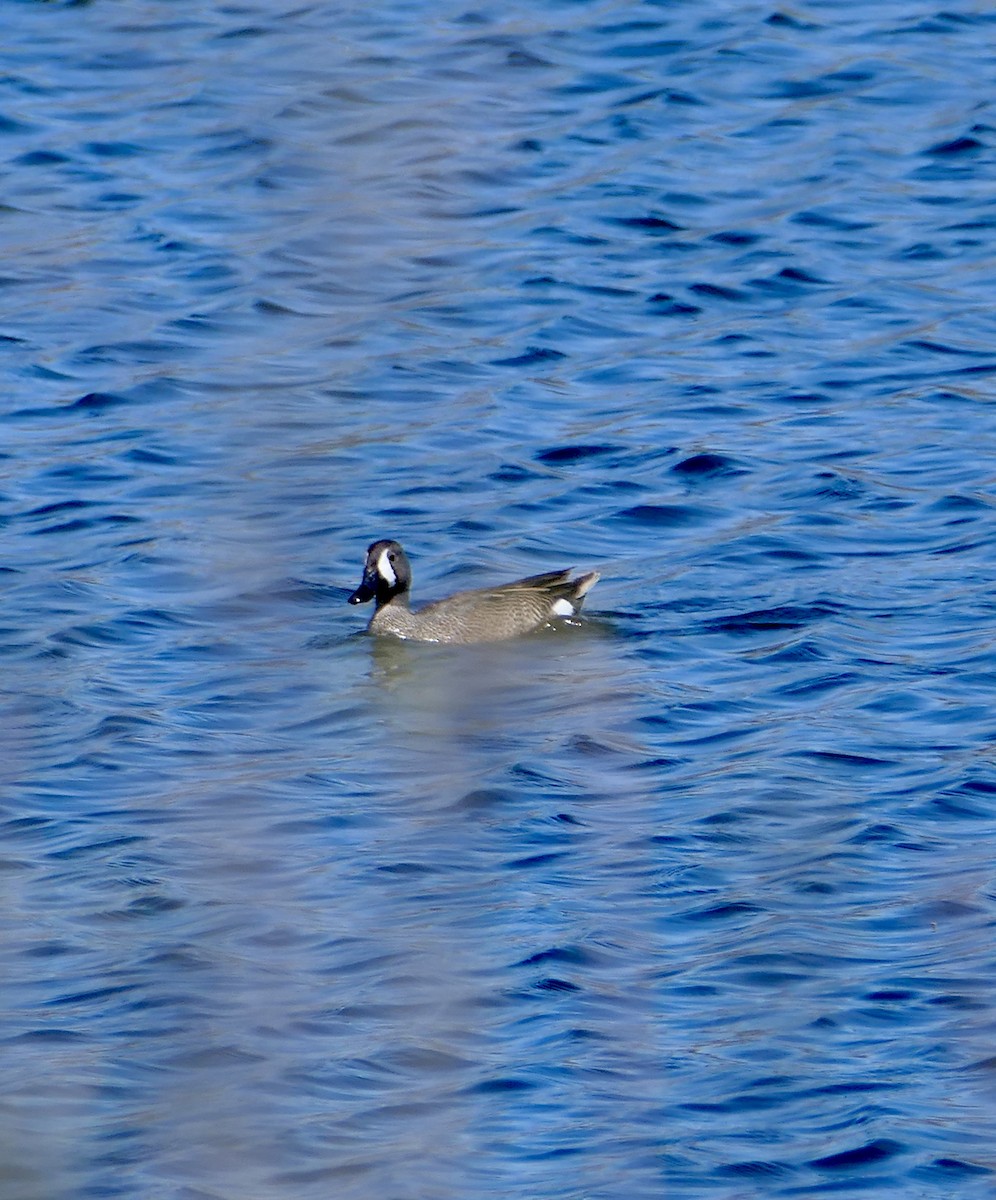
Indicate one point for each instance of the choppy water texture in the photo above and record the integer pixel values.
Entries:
(696, 900)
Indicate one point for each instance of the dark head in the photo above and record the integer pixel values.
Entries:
(385, 575)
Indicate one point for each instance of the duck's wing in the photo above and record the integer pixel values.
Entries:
(539, 583)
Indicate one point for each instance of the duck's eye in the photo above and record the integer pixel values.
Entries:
(392, 558)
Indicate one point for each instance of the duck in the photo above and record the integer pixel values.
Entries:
(490, 614)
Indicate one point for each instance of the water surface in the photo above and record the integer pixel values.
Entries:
(694, 900)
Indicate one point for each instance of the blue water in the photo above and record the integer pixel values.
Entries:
(696, 900)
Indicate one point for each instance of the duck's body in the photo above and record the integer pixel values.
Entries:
(483, 615)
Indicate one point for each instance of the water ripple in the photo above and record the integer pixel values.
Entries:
(694, 898)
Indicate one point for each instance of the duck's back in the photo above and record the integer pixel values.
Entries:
(488, 614)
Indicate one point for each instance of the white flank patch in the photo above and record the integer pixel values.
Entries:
(385, 570)
(563, 608)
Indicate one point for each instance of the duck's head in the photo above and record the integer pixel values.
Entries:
(386, 574)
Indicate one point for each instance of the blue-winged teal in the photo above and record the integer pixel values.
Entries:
(483, 615)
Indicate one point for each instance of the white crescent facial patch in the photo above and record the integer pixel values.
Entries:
(385, 570)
